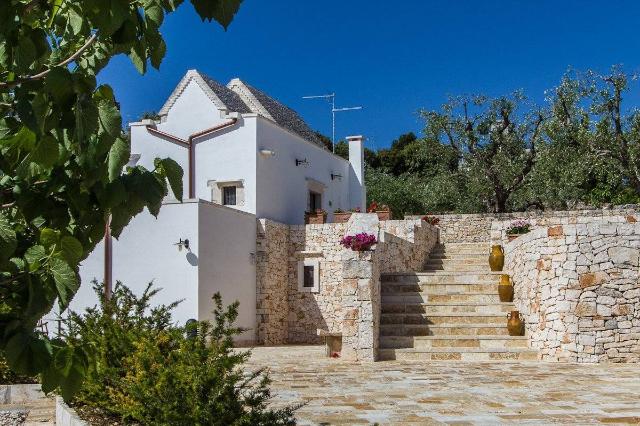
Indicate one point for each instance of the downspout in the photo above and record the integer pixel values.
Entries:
(108, 260)
(189, 144)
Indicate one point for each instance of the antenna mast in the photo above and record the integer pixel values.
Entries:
(332, 99)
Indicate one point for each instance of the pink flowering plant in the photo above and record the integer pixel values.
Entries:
(359, 242)
(518, 227)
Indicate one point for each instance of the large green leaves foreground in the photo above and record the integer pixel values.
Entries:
(63, 158)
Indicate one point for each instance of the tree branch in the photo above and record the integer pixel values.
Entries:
(76, 55)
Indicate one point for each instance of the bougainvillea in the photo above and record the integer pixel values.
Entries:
(519, 227)
(359, 242)
(431, 220)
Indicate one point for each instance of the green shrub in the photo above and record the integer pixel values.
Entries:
(8, 377)
(150, 371)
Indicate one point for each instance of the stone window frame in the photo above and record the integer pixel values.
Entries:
(217, 191)
(315, 262)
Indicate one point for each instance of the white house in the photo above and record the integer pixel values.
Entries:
(245, 156)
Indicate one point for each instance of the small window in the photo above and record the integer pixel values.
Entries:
(309, 276)
(229, 195)
(315, 201)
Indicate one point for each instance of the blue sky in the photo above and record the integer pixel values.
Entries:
(393, 58)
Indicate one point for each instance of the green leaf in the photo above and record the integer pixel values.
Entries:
(65, 279)
(55, 8)
(49, 237)
(118, 157)
(46, 152)
(71, 249)
(27, 353)
(153, 12)
(59, 83)
(34, 256)
(138, 58)
(222, 11)
(25, 53)
(110, 120)
(174, 173)
(8, 240)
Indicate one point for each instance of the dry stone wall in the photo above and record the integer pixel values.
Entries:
(348, 298)
(272, 283)
(577, 285)
(468, 228)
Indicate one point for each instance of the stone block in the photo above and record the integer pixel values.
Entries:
(555, 231)
(586, 309)
(624, 256)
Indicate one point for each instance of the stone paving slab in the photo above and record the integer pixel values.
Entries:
(452, 393)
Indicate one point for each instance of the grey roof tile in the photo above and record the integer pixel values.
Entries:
(230, 98)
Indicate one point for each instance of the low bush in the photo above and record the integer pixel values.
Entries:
(152, 372)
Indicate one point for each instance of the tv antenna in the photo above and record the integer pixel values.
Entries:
(331, 97)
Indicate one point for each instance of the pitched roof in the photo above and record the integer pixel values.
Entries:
(261, 103)
(238, 96)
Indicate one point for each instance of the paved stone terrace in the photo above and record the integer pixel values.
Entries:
(394, 392)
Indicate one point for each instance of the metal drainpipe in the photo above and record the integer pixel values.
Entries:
(191, 147)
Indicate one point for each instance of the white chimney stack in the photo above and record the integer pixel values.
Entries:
(357, 190)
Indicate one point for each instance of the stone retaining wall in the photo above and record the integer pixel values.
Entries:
(344, 303)
(468, 228)
(577, 287)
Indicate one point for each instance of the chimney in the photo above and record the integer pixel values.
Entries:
(357, 190)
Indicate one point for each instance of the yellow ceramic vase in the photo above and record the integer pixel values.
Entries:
(505, 289)
(496, 258)
(515, 325)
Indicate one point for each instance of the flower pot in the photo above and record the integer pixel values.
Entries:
(515, 325)
(496, 258)
(384, 214)
(341, 217)
(511, 237)
(315, 218)
(505, 289)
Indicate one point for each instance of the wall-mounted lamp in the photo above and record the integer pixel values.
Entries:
(182, 243)
(267, 153)
(335, 176)
(302, 162)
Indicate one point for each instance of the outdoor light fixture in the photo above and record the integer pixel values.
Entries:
(302, 162)
(182, 244)
(267, 153)
(335, 176)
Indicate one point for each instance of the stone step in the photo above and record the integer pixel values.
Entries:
(456, 267)
(439, 288)
(459, 354)
(417, 297)
(458, 246)
(466, 259)
(444, 329)
(435, 277)
(462, 249)
(453, 341)
(444, 318)
(447, 308)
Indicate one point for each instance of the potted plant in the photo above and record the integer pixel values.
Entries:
(359, 242)
(383, 211)
(517, 228)
(316, 217)
(341, 216)
(431, 220)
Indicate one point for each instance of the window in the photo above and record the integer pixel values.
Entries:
(315, 201)
(309, 276)
(229, 195)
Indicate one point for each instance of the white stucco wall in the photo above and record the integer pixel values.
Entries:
(227, 263)
(282, 187)
(146, 252)
(228, 155)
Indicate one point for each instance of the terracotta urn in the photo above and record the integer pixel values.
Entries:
(511, 237)
(341, 217)
(384, 214)
(515, 325)
(505, 289)
(317, 217)
(496, 258)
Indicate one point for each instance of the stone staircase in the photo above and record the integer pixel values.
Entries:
(449, 311)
